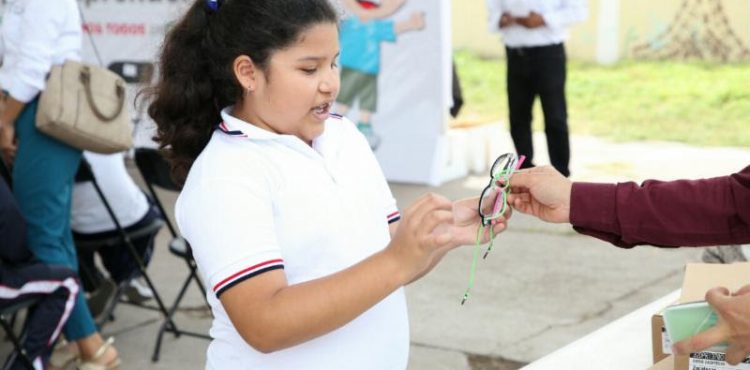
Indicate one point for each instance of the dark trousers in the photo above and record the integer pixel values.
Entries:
(116, 259)
(539, 71)
(57, 287)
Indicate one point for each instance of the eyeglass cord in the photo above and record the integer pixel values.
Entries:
(477, 247)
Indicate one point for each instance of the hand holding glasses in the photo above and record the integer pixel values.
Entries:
(493, 203)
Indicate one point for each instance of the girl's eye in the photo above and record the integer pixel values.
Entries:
(309, 70)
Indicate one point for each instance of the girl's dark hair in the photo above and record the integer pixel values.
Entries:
(196, 75)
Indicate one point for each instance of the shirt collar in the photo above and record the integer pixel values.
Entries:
(236, 127)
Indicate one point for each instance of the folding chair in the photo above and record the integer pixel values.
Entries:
(155, 172)
(7, 321)
(86, 174)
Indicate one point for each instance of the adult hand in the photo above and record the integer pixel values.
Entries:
(533, 20)
(541, 192)
(8, 145)
(506, 20)
(733, 326)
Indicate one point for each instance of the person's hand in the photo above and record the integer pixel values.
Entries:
(533, 20)
(506, 20)
(541, 192)
(466, 220)
(8, 145)
(416, 21)
(733, 326)
(424, 231)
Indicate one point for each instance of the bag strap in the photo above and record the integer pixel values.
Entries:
(85, 77)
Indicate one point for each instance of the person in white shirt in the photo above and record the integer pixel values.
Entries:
(37, 34)
(534, 32)
(288, 214)
(91, 221)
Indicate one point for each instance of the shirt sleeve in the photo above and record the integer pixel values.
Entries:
(703, 212)
(41, 26)
(494, 12)
(386, 30)
(569, 12)
(230, 227)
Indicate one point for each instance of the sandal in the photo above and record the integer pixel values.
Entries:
(62, 355)
(93, 365)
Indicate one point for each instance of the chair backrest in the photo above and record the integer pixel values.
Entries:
(84, 172)
(156, 172)
(154, 168)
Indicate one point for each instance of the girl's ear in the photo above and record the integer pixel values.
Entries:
(246, 72)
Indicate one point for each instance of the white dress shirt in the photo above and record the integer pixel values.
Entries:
(558, 16)
(36, 34)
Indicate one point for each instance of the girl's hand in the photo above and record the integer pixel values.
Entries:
(466, 220)
(425, 229)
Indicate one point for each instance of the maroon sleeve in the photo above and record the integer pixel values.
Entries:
(704, 212)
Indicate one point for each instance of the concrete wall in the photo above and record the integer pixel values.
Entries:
(717, 30)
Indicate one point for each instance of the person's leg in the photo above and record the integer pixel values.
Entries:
(90, 276)
(520, 101)
(347, 91)
(57, 288)
(368, 105)
(43, 182)
(118, 260)
(551, 81)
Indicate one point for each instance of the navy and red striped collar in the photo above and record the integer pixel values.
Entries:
(233, 126)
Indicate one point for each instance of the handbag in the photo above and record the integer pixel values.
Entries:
(82, 106)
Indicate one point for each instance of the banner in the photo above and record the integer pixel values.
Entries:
(401, 50)
(125, 37)
(396, 65)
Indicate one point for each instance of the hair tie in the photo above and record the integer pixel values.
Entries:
(213, 5)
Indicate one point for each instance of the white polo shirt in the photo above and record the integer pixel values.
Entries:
(255, 201)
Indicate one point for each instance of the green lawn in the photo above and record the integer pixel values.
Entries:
(690, 102)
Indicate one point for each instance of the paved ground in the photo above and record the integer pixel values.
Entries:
(541, 288)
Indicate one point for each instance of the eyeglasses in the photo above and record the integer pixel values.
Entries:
(493, 203)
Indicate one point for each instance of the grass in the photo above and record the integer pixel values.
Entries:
(690, 102)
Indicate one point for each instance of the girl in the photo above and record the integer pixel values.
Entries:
(288, 213)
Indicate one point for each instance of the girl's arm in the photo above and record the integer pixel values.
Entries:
(272, 315)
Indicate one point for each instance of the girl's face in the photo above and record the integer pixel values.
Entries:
(295, 94)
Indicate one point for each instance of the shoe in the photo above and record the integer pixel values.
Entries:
(138, 292)
(93, 365)
(63, 355)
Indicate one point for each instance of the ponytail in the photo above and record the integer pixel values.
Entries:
(184, 104)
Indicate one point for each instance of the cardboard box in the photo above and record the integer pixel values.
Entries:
(699, 278)
(667, 363)
(661, 346)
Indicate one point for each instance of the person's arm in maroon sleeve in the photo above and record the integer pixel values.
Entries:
(674, 213)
